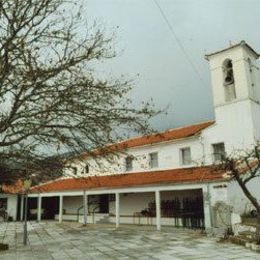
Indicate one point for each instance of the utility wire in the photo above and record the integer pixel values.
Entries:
(179, 42)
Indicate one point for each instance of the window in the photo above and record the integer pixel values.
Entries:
(219, 153)
(153, 160)
(229, 82)
(129, 163)
(74, 170)
(87, 168)
(185, 156)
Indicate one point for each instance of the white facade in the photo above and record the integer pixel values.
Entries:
(236, 94)
(237, 122)
(237, 126)
(11, 204)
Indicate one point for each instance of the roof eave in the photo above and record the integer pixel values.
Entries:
(242, 43)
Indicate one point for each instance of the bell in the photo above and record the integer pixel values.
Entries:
(229, 79)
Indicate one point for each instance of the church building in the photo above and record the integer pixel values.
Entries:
(167, 178)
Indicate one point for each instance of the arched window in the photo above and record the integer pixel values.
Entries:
(229, 81)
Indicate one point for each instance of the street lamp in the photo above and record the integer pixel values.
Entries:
(27, 184)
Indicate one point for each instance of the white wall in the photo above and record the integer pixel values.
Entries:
(238, 200)
(239, 57)
(234, 127)
(169, 157)
(129, 202)
(237, 125)
(237, 121)
(136, 202)
(71, 204)
(218, 192)
(11, 204)
(256, 120)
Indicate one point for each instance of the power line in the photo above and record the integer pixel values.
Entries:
(179, 42)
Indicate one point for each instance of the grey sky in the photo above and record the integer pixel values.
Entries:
(149, 48)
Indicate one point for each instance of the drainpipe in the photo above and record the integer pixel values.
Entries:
(203, 150)
(210, 208)
(25, 232)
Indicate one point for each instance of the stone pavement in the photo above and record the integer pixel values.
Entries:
(50, 240)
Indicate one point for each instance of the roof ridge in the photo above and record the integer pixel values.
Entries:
(153, 138)
(180, 127)
(166, 131)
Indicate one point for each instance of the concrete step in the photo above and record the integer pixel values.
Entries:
(105, 219)
(247, 221)
(240, 240)
(247, 234)
(217, 232)
(97, 218)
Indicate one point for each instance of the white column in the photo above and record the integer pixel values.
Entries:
(85, 206)
(158, 209)
(39, 208)
(117, 210)
(207, 208)
(60, 208)
(22, 208)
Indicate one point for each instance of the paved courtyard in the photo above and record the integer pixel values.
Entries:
(50, 240)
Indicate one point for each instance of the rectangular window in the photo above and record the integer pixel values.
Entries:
(153, 160)
(86, 168)
(74, 170)
(129, 163)
(219, 153)
(186, 156)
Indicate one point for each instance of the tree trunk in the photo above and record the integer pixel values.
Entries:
(257, 234)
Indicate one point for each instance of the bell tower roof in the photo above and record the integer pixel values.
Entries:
(241, 44)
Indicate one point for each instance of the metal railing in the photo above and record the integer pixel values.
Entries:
(78, 210)
(93, 211)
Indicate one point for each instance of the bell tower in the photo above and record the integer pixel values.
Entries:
(233, 74)
(235, 81)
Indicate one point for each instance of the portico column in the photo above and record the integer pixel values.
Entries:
(39, 208)
(85, 206)
(22, 208)
(60, 209)
(158, 209)
(207, 208)
(117, 210)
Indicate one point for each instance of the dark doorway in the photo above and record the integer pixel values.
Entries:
(50, 206)
(32, 208)
(18, 212)
(104, 203)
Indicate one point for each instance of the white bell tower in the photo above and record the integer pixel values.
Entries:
(236, 93)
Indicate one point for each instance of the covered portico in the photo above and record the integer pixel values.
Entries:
(117, 186)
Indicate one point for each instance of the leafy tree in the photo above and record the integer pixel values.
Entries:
(51, 98)
(243, 167)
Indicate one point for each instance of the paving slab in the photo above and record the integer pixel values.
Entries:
(68, 240)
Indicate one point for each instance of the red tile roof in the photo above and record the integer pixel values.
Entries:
(184, 175)
(172, 134)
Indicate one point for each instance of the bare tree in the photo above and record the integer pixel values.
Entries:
(51, 99)
(243, 167)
